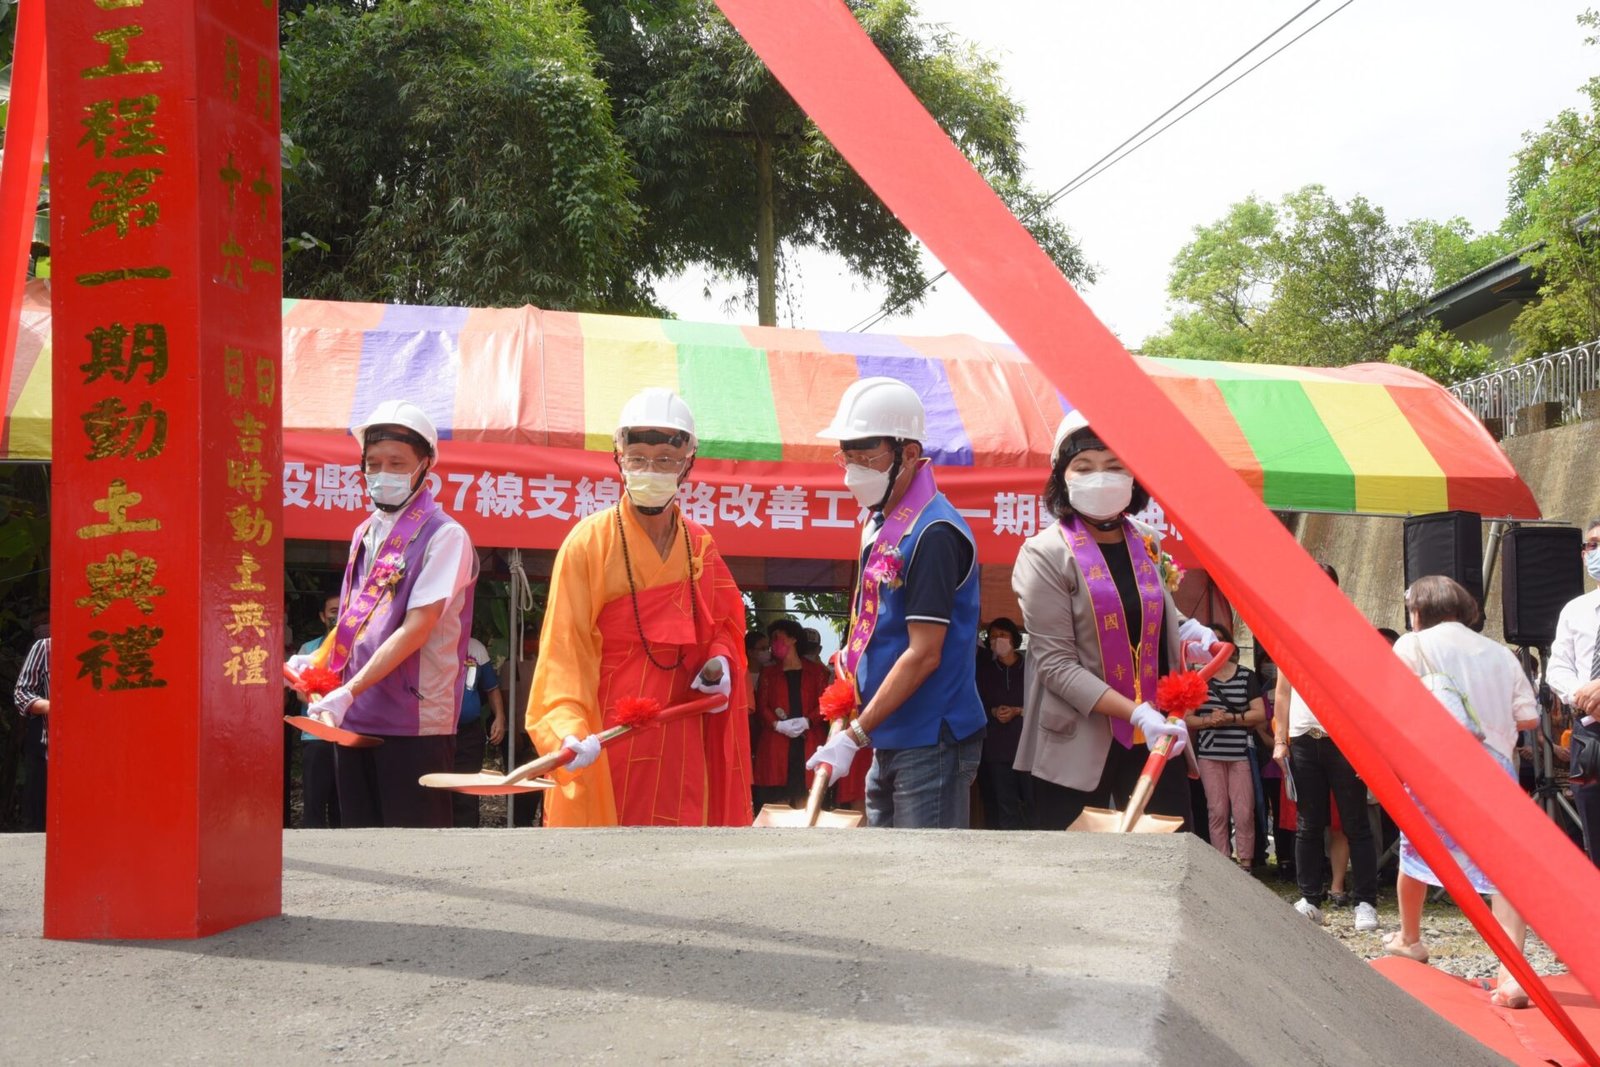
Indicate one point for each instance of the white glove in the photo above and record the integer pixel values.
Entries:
(296, 665)
(588, 750)
(838, 753)
(1155, 726)
(331, 709)
(722, 687)
(792, 727)
(1200, 634)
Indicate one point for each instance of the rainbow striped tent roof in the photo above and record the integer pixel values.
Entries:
(1371, 439)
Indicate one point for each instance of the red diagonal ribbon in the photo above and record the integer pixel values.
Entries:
(20, 174)
(1377, 711)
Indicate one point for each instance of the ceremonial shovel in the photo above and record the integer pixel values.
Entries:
(524, 779)
(318, 728)
(812, 815)
(1134, 820)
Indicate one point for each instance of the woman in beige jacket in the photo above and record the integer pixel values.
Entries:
(1102, 628)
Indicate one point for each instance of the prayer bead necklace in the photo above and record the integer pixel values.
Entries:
(633, 593)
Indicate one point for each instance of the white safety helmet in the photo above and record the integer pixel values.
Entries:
(400, 413)
(878, 407)
(1071, 423)
(656, 408)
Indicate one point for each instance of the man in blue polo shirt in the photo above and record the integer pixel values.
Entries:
(482, 686)
(915, 620)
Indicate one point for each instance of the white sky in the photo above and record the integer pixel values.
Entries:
(1417, 104)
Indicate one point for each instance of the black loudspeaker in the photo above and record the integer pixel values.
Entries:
(1542, 571)
(1448, 543)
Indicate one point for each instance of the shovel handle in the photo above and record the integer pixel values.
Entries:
(1220, 651)
(1153, 766)
(563, 756)
(819, 780)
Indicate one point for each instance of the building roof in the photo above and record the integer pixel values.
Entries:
(1507, 280)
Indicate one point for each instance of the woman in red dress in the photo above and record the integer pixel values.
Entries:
(789, 722)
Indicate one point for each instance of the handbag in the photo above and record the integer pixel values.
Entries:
(1584, 746)
(1447, 692)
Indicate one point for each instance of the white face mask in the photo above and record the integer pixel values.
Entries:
(1101, 495)
(865, 484)
(390, 489)
(650, 489)
(1591, 563)
(1001, 646)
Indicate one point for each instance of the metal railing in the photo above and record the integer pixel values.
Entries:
(1560, 378)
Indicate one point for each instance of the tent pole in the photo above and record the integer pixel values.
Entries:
(1491, 552)
(513, 655)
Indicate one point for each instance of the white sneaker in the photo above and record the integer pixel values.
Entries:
(1310, 911)
(1366, 916)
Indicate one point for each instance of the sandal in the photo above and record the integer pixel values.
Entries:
(1393, 946)
(1509, 994)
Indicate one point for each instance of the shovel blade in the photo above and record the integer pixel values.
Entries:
(484, 784)
(1106, 821)
(318, 728)
(784, 815)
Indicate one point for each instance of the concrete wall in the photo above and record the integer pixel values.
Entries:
(1561, 466)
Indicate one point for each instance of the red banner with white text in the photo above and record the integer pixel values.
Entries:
(529, 496)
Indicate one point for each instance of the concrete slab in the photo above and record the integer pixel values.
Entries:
(721, 946)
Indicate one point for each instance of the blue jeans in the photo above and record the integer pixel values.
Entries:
(924, 788)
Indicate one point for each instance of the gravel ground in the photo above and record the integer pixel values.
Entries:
(1453, 945)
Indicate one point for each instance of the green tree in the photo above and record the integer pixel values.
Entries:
(731, 171)
(1555, 191)
(1344, 277)
(1223, 280)
(1443, 357)
(455, 152)
(1309, 281)
(1452, 250)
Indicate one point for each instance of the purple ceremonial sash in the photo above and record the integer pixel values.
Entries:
(1138, 684)
(384, 574)
(884, 564)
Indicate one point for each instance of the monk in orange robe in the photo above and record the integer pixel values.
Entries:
(642, 605)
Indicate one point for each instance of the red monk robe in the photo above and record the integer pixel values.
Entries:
(692, 772)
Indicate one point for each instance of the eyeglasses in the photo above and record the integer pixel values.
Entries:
(1589, 546)
(659, 464)
(860, 459)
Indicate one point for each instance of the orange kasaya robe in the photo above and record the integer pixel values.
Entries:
(692, 772)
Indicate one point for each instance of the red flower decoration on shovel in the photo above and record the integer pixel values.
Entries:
(318, 682)
(1180, 693)
(636, 711)
(837, 701)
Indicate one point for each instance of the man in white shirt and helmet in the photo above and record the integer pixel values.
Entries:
(400, 644)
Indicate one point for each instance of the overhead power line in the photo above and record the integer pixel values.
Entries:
(1117, 154)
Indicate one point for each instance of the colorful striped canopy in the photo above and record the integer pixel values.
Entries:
(1370, 439)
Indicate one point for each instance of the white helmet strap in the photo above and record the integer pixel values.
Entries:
(416, 487)
(899, 447)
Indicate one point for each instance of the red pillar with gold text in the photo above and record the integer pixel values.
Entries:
(165, 735)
